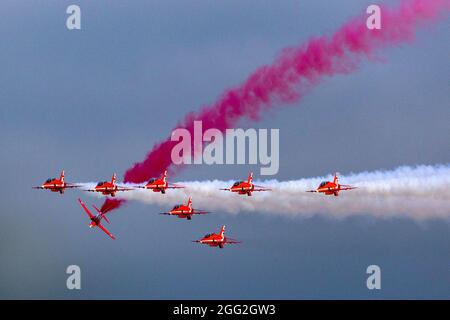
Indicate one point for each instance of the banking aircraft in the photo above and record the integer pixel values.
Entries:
(96, 220)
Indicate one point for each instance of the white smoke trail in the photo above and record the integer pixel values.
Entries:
(419, 193)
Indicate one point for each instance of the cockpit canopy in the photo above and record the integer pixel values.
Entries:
(49, 180)
(101, 183)
(151, 180)
(237, 183)
(176, 207)
(208, 235)
(323, 184)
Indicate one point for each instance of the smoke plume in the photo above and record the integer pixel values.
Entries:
(419, 193)
(295, 71)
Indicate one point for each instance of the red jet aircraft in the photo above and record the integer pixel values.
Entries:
(332, 188)
(217, 240)
(96, 221)
(56, 185)
(184, 211)
(246, 187)
(160, 185)
(109, 188)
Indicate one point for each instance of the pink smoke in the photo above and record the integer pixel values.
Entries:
(111, 204)
(294, 72)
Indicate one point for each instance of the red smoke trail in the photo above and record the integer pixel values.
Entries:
(296, 70)
(111, 204)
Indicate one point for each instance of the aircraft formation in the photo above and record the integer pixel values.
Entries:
(183, 211)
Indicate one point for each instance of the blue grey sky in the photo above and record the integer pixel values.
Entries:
(94, 101)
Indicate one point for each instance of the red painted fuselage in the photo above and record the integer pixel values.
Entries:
(56, 185)
(217, 239)
(332, 187)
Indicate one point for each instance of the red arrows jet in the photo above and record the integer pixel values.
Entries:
(217, 240)
(56, 185)
(160, 185)
(332, 188)
(184, 211)
(246, 187)
(109, 188)
(96, 221)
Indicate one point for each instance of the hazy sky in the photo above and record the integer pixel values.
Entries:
(95, 101)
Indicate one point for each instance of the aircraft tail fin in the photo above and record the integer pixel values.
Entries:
(250, 177)
(97, 209)
(106, 219)
(101, 213)
(336, 178)
(222, 231)
(113, 179)
(190, 202)
(61, 177)
(164, 177)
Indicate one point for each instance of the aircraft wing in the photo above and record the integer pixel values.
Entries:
(174, 186)
(200, 212)
(232, 241)
(346, 187)
(71, 185)
(260, 188)
(103, 214)
(106, 231)
(86, 209)
(124, 189)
